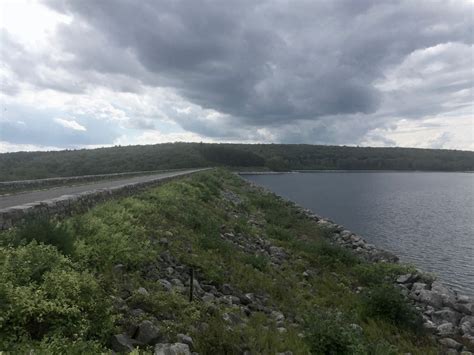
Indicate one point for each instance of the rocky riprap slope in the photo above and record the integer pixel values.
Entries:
(446, 314)
(174, 277)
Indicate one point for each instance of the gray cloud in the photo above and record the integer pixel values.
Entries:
(307, 71)
(262, 62)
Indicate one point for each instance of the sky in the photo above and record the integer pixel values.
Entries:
(86, 74)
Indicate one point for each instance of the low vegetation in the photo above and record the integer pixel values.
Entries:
(68, 286)
(277, 157)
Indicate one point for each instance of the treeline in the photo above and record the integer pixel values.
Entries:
(279, 157)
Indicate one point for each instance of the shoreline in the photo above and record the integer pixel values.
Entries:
(350, 171)
(447, 315)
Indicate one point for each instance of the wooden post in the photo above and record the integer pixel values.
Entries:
(191, 284)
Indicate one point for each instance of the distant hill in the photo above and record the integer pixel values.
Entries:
(32, 165)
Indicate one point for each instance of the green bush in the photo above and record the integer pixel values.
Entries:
(329, 333)
(42, 295)
(370, 274)
(258, 262)
(47, 232)
(387, 303)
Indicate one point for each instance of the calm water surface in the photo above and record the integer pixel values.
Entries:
(425, 218)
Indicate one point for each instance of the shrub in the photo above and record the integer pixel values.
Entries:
(387, 303)
(377, 274)
(47, 232)
(331, 254)
(43, 295)
(329, 333)
(258, 262)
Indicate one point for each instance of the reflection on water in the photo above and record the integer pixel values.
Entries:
(425, 218)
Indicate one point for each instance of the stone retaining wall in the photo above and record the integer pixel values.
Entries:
(16, 185)
(68, 205)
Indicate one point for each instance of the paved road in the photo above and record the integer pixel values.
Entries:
(35, 196)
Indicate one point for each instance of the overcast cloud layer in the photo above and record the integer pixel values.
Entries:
(93, 73)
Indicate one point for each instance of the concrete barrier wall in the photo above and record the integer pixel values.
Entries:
(68, 205)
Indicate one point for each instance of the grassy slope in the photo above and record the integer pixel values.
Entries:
(66, 297)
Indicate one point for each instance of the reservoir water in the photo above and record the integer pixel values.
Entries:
(426, 218)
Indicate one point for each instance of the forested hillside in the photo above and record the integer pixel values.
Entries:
(31, 165)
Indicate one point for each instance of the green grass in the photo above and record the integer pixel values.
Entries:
(56, 280)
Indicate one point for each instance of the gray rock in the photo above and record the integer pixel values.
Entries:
(230, 300)
(247, 298)
(227, 289)
(208, 297)
(148, 333)
(186, 339)
(164, 242)
(465, 353)
(119, 269)
(169, 234)
(446, 329)
(464, 299)
(430, 326)
(450, 343)
(232, 318)
(447, 295)
(467, 325)
(465, 308)
(281, 330)
(357, 328)
(172, 349)
(446, 315)
(418, 286)
(278, 316)
(404, 279)
(122, 343)
(427, 297)
(143, 291)
(166, 284)
(177, 282)
(137, 312)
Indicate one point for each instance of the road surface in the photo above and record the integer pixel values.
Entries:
(35, 196)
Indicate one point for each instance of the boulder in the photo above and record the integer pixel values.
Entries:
(143, 291)
(186, 339)
(148, 333)
(448, 296)
(465, 308)
(122, 343)
(429, 326)
(172, 349)
(404, 279)
(208, 297)
(232, 318)
(166, 284)
(446, 315)
(247, 298)
(278, 316)
(446, 329)
(450, 343)
(467, 325)
(227, 289)
(427, 297)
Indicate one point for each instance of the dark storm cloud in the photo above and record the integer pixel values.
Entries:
(264, 63)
